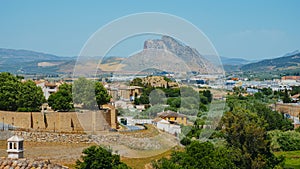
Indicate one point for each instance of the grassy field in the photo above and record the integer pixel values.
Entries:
(292, 158)
(142, 163)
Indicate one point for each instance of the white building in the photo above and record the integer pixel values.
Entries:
(15, 147)
(169, 128)
(47, 88)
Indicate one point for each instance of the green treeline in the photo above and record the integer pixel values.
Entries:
(16, 95)
(87, 93)
(240, 141)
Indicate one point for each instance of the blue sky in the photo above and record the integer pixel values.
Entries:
(246, 29)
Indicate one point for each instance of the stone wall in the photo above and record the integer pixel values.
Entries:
(292, 109)
(53, 121)
(65, 122)
(4, 135)
(6, 163)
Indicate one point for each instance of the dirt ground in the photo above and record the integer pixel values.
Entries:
(67, 153)
(61, 153)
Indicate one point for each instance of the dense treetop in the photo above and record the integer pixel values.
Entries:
(96, 157)
(19, 96)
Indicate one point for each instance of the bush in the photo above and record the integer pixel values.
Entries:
(286, 141)
(185, 141)
(24, 109)
(96, 157)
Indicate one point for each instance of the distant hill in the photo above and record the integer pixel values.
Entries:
(26, 61)
(25, 55)
(234, 61)
(287, 62)
(165, 54)
(233, 64)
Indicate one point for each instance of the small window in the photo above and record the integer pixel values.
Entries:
(10, 145)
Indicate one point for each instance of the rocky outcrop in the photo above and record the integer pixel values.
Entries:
(171, 55)
(24, 163)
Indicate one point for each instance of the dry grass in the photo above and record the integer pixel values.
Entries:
(140, 163)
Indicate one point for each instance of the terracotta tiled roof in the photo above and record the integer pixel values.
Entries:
(50, 85)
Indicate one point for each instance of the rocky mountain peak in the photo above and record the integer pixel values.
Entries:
(170, 44)
(166, 42)
(166, 52)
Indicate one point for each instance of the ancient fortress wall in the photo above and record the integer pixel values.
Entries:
(69, 122)
(53, 121)
(291, 109)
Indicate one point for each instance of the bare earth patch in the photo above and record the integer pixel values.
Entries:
(133, 151)
(61, 153)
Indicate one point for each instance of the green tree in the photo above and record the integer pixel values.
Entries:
(208, 95)
(9, 91)
(96, 157)
(174, 102)
(171, 92)
(84, 93)
(137, 82)
(285, 140)
(295, 90)
(144, 99)
(153, 110)
(286, 97)
(245, 132)
(198, 155)
(274, 120)
(157, 97)
(267, 91)
(258, 95)
(62, 99)
(30, 97)
(17, 95)
(188, 92)
(102, 96)
(89, 93)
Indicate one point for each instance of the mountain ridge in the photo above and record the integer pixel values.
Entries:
(285, 62)
(14, 60)
(27, 61)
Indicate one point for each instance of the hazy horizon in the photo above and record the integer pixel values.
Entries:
(250, 30)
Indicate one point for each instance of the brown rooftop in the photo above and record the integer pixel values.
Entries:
(50, 85)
